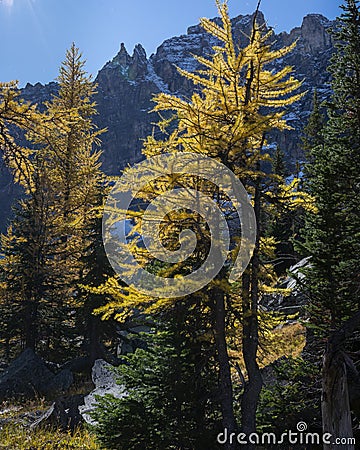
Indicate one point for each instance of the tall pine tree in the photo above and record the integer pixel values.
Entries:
(237, 102)
(52, 228)
(333, 234)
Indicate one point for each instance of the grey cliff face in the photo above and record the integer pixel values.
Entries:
(127, 84)
(123, 101)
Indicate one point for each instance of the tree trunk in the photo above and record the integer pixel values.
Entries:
(95, 350)
(254, 382)
(335, 405)
(250, 341)
(30, 324)
(225, 384)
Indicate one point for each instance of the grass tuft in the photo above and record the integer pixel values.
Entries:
(18, 437)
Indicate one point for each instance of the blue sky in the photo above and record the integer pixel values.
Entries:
(34, 34)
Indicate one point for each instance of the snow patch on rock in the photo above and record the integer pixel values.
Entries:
(154, 78)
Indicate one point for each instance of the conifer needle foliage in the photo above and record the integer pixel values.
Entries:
(236, 102)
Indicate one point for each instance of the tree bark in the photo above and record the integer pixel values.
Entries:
(225, 383)
(254, 382)
(95, 350)
(250, 341)
(335, 404)
(30, 326)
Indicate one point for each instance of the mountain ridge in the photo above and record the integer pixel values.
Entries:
(127, 83)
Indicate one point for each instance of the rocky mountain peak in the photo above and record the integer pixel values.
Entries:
(122, 60)
(312, 35)
(127, 84)
(239, 21)
(122, 50)
(124, 101)
(130, 67)
(139, 53)
(248, 20)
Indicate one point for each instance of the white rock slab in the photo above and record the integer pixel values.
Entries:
(105, 383)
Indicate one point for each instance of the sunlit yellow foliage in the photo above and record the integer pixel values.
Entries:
(236, 102)
(22, 115)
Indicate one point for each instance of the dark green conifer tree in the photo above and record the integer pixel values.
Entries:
(96, 269)
(171, 383)
(333, 234)
(52, 229)
(312, 133)
(334, 180)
